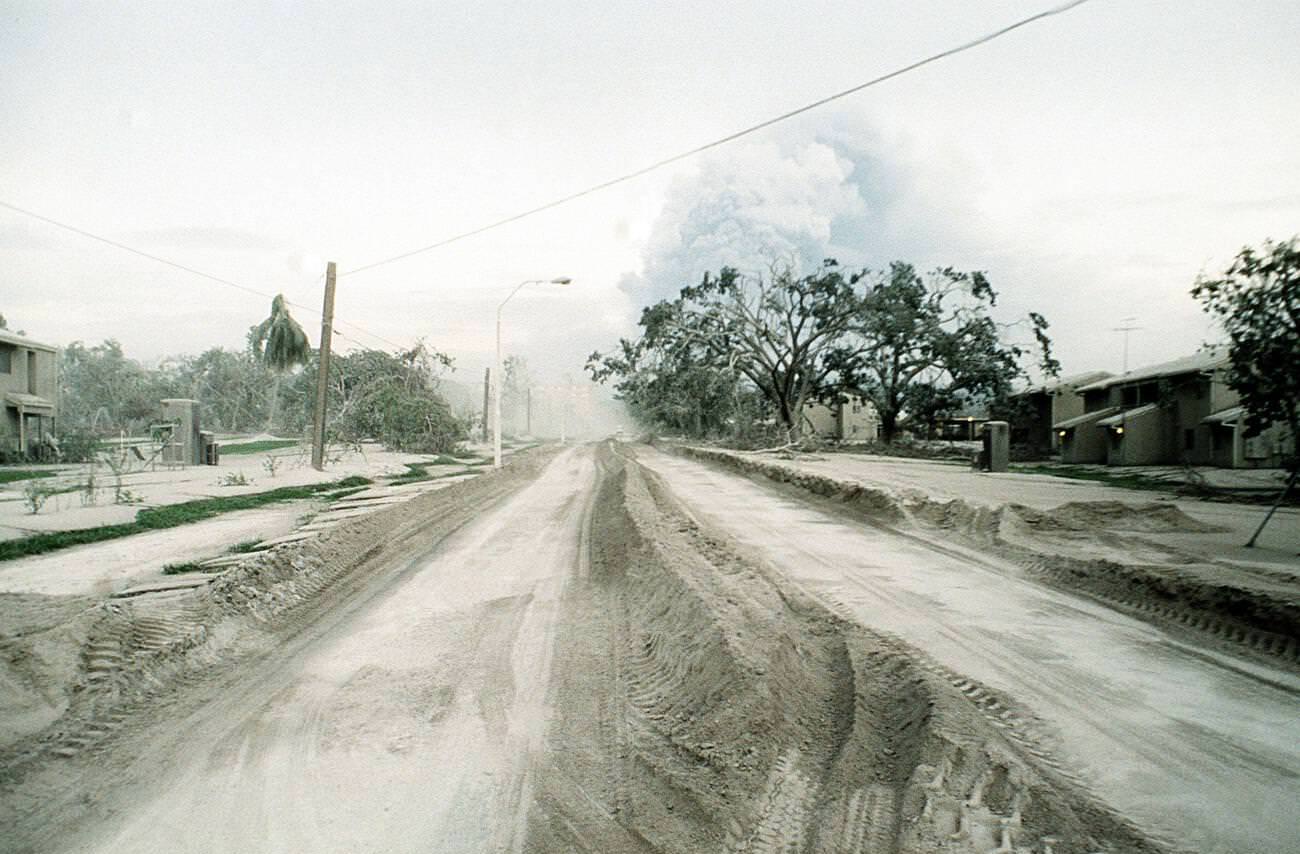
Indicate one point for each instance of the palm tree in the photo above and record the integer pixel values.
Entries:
(280, 344)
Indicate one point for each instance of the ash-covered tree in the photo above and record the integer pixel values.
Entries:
(282, 345)
(385, 397)
(102, 389)
(667, 387)
(925, 345)
(770, 332)
(514, 392)
(1257, 301)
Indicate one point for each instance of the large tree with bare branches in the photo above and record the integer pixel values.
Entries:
(926, 344)
(771, 330)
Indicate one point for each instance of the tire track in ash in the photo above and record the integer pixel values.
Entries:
(1195, 752)
(411, 727)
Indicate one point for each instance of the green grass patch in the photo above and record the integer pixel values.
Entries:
(179, 568)
(168, 516)
(11, 475)
(258, 447)
(416, 472)
(244, 548)
(344, 493)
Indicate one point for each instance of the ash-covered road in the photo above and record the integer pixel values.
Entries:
(410, 728)
(1199, 749)
(612, 650)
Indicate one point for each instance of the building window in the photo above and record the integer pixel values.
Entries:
(6, 359)
(1189, 440)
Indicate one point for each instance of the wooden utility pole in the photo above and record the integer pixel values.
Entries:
(323, 377)
(487, 387)
(528, 416)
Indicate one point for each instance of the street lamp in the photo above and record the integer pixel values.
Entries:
(496, 377)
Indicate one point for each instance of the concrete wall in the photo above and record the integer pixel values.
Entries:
(1144, 441)
(854, 421)
(17, 377)
(821, 420)
(1085, 443)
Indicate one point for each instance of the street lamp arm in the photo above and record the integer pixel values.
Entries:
(515, 291)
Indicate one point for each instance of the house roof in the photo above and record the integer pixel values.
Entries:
(1119, 418)
(7, 337)
(28, 401)
(1228, 416)
(1206, 360)
(1085, 418)
(1072, 382)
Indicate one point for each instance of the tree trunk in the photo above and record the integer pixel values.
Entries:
(888, 426)
(274, 404)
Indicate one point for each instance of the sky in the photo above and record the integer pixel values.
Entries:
(1093, 164)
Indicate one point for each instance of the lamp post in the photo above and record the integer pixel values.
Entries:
(496, 377)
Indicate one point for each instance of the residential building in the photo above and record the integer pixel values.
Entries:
(1175, 412)
(855, 420)
(29, 387)
(1040, 408)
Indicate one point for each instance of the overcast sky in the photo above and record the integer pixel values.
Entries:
(1093, 163)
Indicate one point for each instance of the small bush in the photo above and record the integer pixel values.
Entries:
(77, 445)
(35, 494)
(178, 568)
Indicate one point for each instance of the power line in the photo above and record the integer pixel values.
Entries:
(156, 258)
(659, 164)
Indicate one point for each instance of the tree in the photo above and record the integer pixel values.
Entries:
(926, 345)
(1257, 301)
(666, 388)
(100, 387)
(391, 398)
(514, 390)
(282, 345)
(230, 386)
(770, 331)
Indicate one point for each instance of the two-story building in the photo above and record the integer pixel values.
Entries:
(1167, 414)
(1042, 407)
(855, 420)
(29, 389)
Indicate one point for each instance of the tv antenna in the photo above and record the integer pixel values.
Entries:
(1126, 326)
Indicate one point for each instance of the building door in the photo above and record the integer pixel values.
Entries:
(31, 372)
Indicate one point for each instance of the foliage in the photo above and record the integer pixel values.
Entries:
(280, 344)
(233, 478)
(701, 356)
(102, 389)
(1257, 300)
(730, 354)
(392, 399)
(231, 387)
(244, 547)
(279, 341)
(927, 346)
(186, 566)
(76, 444)
(35, 494)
